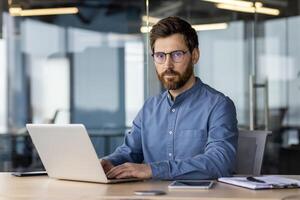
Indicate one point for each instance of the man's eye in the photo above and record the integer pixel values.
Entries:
(160, 55)
(177, 54)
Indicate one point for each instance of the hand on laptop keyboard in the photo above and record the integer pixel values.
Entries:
(130, 170)
(107, 165)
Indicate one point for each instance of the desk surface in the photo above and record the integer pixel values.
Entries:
(42, 187)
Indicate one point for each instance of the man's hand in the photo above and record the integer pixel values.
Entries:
(107, 165)
(131, 170)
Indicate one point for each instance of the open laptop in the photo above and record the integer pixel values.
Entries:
(67, 153)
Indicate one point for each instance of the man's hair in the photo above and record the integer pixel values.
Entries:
(172, 25)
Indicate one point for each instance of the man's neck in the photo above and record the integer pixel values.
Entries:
(188, 85)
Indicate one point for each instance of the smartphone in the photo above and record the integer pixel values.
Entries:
(21, 174)
(149, 192)
(191, 184)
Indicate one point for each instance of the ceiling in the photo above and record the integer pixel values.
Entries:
(110, 5)
(199, 10)
(196, 11)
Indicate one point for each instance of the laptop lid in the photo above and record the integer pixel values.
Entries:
(67, 152)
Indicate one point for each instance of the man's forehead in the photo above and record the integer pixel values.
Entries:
(170, 43)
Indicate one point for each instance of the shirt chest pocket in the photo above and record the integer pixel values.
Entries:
(189, 143)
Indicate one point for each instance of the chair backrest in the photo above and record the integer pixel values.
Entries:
(250, 152)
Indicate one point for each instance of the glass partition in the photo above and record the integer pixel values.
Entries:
(249, 51)
(87, 67)
(226, 46)
(277, 65)
(94, 67)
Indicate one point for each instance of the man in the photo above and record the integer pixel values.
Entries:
(186, 132)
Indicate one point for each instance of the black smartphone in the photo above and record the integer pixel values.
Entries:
(37, 173)
(149, 192)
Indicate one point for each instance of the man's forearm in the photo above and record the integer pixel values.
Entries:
(116, 159)
(124, 154)
(210, 165)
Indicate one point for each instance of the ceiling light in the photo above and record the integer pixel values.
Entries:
(236, 8)
(152, 20)
(45, 11)
(197, 27)
(258, 4)
(261, 10)
(145, 29)
(206, 27)
(268, 11)
(15, 11)
(233, 2)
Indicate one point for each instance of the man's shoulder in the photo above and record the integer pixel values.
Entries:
(154, 100)
(214, 95)
(212, 92)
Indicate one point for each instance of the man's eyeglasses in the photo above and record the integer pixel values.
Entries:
(176, 56)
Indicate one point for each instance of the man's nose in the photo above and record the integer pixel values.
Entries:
(169, 62)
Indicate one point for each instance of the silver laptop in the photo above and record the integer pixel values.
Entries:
(67, 153)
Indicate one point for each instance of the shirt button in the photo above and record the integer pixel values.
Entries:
(170, 132)
(173, 110)
(170, 154)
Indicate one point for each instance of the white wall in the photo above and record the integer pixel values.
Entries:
(222, 64)
(49, 88)
(134, 79)
(279, 63)
(272, 61)
(293, 117)
(107, 59)
(44, 45)
(3, 81)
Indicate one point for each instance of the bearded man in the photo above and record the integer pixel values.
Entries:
(188, 131)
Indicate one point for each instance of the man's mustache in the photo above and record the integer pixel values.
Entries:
(169, 72)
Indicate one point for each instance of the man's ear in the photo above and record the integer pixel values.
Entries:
(195, 55)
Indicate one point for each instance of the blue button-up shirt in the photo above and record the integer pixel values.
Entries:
(193, 137)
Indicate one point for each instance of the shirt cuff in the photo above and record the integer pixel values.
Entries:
(160, 170)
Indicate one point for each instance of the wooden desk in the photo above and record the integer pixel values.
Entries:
(42, 187)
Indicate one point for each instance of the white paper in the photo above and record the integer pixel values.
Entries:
(270, 182)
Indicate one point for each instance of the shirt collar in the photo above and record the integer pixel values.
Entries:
(185, 94)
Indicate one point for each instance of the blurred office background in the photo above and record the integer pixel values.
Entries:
(91, 64)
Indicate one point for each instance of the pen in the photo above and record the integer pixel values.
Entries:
(279, 185)
(251, 178)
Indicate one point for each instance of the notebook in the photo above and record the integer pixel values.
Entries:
(261, 182)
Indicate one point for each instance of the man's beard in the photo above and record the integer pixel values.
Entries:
(177, 80)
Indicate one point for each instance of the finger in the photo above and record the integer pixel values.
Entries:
(108, 166)
(115, 171)
(125, 174)
(104, 167)
(125, 165)
(112, 170)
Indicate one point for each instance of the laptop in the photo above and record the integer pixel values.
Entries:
(67, 152)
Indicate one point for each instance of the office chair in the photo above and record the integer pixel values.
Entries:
(250, 151)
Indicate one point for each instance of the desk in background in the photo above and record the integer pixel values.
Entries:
(36, 188)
